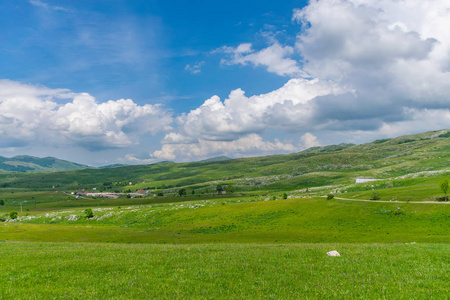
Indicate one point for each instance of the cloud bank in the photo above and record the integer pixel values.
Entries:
(368, 69)
(61, 118)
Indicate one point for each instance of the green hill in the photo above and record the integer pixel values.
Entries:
(25, 163)
(329, 165)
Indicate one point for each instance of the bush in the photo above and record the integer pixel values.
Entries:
(2, 202)
(375, 196)
(330, 196)
(13, 215)
(3, 218)
(398, 212)
(285, 196)
(89, 213)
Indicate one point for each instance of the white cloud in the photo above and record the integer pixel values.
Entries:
(288, 108)
(275, 58)
(195, 68)
(44, 5)
(32, 113)
(247, 145)
(232, 127)
(401, 47)
(134, 159)
(243, 146)
(308, 140)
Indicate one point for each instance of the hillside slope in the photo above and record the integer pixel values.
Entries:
(320, 166)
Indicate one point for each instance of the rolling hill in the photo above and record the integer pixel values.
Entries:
(319, 166)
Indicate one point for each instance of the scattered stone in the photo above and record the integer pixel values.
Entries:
(333, 253)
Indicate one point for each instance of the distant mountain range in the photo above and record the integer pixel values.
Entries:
(25, 163)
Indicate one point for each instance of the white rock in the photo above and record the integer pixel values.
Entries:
(333, 253)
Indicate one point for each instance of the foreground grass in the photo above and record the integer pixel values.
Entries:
(223, 271)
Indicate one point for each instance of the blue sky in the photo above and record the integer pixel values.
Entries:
(137, 49)
(102, 82)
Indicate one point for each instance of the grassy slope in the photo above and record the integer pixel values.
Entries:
(323, 166)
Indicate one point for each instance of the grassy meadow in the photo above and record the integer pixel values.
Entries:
(223, 271)
(244, 220)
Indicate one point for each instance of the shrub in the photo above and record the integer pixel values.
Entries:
(330, 196)
(13, 215)
(3, 218)
(285, 196)
(375, 196)
(398, 212)
(89, 213)
(2, 202)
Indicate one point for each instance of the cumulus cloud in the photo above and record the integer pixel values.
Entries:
(308, 140)
(286, 108)
(245, 145)
(399, 47)
(276, 58)
(33, 113)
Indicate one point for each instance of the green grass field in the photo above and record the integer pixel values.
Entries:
(224, 248)
(223, 271)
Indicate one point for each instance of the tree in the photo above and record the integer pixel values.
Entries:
(219, 188)
(285, 196)
(444, 187)
(13, 215)
(89, 213)
(182, 192)
(230, 189)
(2, 202)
